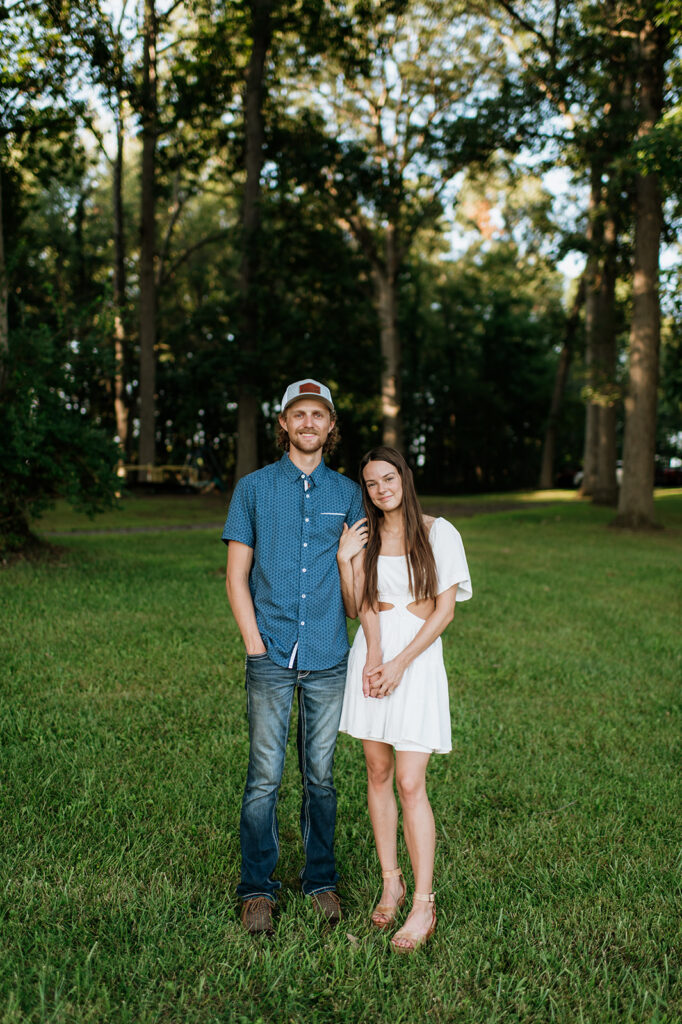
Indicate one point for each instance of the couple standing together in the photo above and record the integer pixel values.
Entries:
(302, 554)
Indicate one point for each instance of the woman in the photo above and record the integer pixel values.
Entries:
(403, 585)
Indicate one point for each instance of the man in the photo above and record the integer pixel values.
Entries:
(282, 532)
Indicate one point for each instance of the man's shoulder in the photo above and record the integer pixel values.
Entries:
(258, 476)
(343, 482)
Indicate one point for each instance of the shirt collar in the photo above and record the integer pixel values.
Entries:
(292, 472)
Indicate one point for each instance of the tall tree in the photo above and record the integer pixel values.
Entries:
(148, 300)
(260, 12)
(121, 409)
(605, 491)
(593, 234)
(4, 294)
(636, 503)
(580, 58)
(547, 467)
(106, 47)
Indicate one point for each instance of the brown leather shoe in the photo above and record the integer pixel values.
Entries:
(328, 905)
(257, 915)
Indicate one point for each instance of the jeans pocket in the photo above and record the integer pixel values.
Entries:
(256, 663)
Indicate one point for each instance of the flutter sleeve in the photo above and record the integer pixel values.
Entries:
(451, 562)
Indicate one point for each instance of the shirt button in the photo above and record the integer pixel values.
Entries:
(303, 623)
(304, 570)
(307, 520)
(305, 544)
(302, 595)
(307, 495)
(302, 476)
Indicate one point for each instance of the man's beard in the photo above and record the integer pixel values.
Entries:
(308, 445)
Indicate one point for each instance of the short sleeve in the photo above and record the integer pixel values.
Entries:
(356, 510)
(451, 562)
(240, 525)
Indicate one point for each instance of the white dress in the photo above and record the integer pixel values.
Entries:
(416, 716)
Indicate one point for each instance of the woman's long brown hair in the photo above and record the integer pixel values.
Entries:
(421, 565)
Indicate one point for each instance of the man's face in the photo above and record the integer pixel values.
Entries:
(308, 423)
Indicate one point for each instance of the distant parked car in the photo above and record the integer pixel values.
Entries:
(668, 471)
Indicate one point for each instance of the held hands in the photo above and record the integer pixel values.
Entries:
(381, 680)
(352, 540)
(369, 667)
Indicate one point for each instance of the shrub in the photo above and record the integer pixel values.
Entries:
(49, 446)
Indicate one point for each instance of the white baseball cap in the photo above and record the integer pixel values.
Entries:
(307, 389)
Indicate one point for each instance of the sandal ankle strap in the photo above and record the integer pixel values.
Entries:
(424, 897)
(393, 873)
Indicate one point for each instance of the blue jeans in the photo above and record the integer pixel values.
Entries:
(270, 694)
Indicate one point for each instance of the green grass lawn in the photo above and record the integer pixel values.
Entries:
(558, 812)
(137, 510)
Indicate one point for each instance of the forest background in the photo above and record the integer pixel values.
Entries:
(202, 200)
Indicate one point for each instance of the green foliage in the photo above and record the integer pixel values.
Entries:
(660, 152)
(49, 447)
(370, 108)
(124, 749)
(480, 340)
(314, 310)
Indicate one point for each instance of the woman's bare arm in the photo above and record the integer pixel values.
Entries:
(384, 678)
(369, 620)
(351, 543)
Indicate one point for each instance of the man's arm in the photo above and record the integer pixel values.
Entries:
(239, 562)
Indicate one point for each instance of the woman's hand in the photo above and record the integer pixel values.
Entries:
(371, 664)
(384, 679)
(352, 541)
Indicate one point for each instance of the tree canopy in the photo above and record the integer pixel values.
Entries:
(202, 201)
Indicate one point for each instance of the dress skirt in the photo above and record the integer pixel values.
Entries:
(417, 714)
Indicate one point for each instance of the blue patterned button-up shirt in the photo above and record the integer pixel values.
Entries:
(293, 523)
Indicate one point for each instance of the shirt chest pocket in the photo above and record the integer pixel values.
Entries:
(328, 526)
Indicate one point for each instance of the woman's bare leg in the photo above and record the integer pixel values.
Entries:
(383, 813)
(420, 833)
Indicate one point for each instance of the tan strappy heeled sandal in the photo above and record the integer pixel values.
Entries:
(416, 939)
(384, 914)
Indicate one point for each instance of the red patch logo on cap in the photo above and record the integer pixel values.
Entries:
(308, 388)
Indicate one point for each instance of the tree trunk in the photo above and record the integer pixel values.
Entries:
(546, 480)
(636, 504)
(606, 487)
(592, 288)
(148, 244)
(4, 301)
(385, 279)
(249, 396)
(120, 402)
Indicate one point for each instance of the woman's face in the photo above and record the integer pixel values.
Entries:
(384, 485)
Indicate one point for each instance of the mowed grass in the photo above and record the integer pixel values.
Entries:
(558, 813)
(137, 510)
